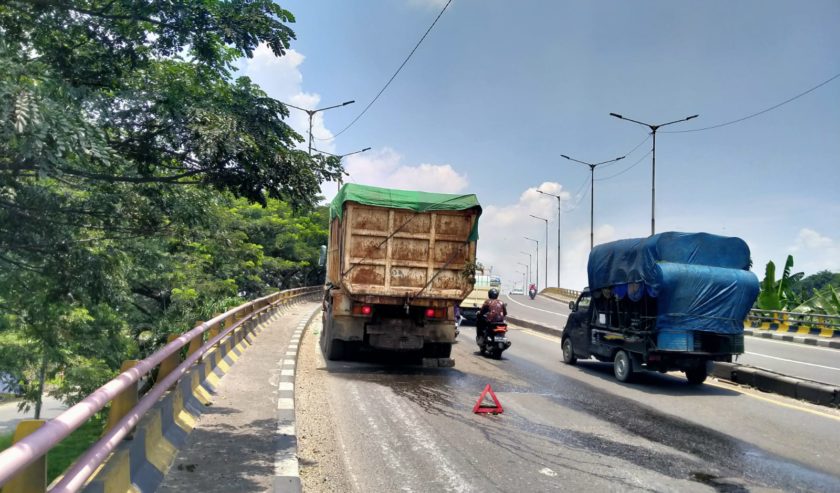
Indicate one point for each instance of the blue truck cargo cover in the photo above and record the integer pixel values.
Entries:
(701, 281)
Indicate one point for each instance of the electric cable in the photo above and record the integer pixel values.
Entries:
(755, 114)
(626, 169)
(393, 76)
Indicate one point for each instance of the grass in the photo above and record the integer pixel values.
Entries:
(63, 454)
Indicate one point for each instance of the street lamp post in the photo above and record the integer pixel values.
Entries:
(311, 114)
(559, 211)
(523, 274)
(529, 265)
(342, 156)
(546, 246)
(592, 167)
(538, 260)
(653, 129)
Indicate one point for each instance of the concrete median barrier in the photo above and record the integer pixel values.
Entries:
(818, 393)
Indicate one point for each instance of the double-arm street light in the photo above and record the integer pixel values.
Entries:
(311, 114)
(342, 156)
(538, 259)
(559, 211)
(653, 129)
(592, 167)
(545, 248)
(529, 265)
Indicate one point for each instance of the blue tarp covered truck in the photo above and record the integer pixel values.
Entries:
(671, 301)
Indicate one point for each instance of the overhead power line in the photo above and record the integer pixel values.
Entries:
(393, 76)
(758, 113)
(626, 169)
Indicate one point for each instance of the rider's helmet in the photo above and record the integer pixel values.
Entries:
(493, 293)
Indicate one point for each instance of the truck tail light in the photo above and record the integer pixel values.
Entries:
(436, 313)
(364, 310)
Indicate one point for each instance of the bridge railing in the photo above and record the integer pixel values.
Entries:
(17, 461)
(777, 319)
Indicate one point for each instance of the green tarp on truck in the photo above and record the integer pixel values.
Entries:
(404, 199)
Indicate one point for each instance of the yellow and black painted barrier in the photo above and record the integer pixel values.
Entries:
(140, 464)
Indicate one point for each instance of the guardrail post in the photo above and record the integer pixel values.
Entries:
(125, 401)
(33, 479)
(196, 342)
(215, 329)
(171, 362)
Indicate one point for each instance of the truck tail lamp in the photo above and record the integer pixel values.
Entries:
(364, 310)
(435, 313)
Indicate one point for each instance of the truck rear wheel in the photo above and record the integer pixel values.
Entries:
(696, 376)
(333, 348)
(623, 366)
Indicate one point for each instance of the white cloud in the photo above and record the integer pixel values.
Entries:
(813, 252)
(503, 227)
(384, 168)
(281, 78)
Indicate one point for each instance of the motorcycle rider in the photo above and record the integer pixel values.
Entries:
(492, 311)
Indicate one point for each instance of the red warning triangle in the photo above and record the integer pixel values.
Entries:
(480, 407)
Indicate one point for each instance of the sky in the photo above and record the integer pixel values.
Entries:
(498, 91)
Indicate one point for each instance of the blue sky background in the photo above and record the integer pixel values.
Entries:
(500, 89)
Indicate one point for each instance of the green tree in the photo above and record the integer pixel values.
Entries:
(123, 138)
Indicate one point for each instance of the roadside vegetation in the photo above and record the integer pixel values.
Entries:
(817, 293)
(143, 184)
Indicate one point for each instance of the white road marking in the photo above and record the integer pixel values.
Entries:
(414, 427)
(548, 472)
(289, 362)
(285, 403)
(797, 345)
(287, 373)
(286, 386)
(793, 361)
(534, 308)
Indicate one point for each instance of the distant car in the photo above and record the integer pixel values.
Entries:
(517, 290)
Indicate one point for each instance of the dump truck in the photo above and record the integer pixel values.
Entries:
(671, 301)
(397, 263)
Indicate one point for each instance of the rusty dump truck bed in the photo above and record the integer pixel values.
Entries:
(386, 245)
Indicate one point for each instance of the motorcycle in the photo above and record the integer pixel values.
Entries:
(495, 342)
(532, 293)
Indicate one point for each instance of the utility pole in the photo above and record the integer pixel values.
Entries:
(311, 114)
(653, 129)
(546, 246)
(529, 265)
(559, 211)
(538, 260)
(592, 167)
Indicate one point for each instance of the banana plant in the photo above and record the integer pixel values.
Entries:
(778, 295)
(825, 302)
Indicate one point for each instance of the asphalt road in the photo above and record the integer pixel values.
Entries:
(9, 415)
(797, 360)
(406, 428)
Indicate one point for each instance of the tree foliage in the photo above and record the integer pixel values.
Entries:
(778, 294)
(142, 185)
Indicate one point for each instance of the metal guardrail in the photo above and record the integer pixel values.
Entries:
(567, 293)
(15, 460)
(794, 319)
